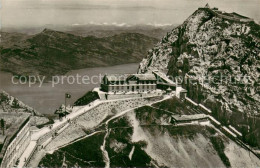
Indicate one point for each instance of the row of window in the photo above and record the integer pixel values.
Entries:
(21, 139)
(132, 87)
(138, 82)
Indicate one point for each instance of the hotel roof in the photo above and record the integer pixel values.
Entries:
(117, 77)
(145, 76)
(124, 77)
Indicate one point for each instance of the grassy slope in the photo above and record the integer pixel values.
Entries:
(85, 153)
(87, 98)
(119, 146)
(176, 106)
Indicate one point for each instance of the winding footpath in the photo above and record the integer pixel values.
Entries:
(103, 147)
(62, 125)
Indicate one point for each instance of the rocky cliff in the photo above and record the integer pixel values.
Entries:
(218, 54)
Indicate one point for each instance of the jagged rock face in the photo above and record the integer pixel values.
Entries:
(209, 46)
(10, 104)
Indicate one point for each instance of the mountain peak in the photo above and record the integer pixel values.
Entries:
(50, 31)
(47, 30)
(212, 42)
(54, 33)
(217, 55)
(234, 17)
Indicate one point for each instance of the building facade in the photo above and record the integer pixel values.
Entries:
(17, 145)
(129, 83)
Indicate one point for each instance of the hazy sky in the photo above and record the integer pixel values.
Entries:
(18, 13)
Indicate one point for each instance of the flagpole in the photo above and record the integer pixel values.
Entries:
(65, 103)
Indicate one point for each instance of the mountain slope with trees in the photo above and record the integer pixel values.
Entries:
(55, 53)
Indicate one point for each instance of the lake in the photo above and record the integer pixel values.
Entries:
(46, 99)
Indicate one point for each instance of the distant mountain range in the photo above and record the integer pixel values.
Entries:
(99, 30)
(108, 30)
(54, 53)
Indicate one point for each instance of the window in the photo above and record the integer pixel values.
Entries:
(137, 87)
(127, 87)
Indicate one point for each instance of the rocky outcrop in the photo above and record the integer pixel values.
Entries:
(11, 104)
(219, 59)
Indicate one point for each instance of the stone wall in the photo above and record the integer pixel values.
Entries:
(133, 95)
(88, 121)
(109, 108)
